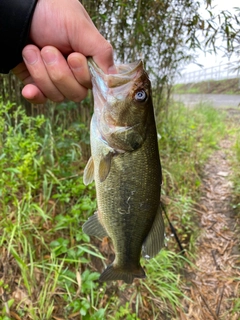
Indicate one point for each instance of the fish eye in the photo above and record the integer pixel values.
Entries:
(141, 96)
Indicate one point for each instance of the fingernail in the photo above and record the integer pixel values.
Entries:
(30, 56)
(49, 56)
(112, 70)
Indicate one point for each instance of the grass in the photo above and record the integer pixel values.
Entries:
(48, 267)
(43, 204)
(181, 88)
(189, 136)
(227, 86)
(236, 168)
(236, 200)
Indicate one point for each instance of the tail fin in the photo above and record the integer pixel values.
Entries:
(112, 273)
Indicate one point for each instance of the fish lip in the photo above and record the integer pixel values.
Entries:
(126, 73)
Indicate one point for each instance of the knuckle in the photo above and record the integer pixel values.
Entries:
(57, 76)
(108, 49)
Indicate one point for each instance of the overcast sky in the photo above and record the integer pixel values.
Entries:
(209, 60)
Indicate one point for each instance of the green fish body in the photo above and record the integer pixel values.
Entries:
(126, 168)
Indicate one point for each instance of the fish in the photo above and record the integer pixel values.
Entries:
(125, 165)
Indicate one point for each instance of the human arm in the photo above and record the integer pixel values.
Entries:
(61, 29)
(15, 21)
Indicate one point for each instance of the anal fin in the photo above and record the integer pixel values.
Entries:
(155, 238)
(93, 227)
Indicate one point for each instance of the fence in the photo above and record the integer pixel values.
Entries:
(220, 72)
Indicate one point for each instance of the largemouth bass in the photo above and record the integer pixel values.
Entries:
(126, 168)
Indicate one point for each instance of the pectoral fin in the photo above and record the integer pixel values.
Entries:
(105, 166)
(93, 227)
(88, 175)
(155, 239)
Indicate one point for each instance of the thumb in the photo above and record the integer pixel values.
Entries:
(91, 43)
(103, 56)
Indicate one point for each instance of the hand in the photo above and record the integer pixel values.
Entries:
(48, 75)
(59, 29)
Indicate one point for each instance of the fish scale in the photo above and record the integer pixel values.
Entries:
(126, 167)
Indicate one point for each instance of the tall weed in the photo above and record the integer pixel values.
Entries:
(187, 138)
(43, 204)
(47, 262)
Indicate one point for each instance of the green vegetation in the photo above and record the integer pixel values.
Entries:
(237, 164)
(228, 86)
(235, 177)
(188, 138)
(49, 268)
(236, 181)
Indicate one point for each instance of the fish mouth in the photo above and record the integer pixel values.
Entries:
(125, 73)
(120, 120)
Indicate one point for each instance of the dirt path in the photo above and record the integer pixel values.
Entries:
(215, 286)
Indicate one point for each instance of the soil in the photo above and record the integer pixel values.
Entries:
(214, 284)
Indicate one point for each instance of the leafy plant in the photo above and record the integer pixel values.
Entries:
(43, 204)
(52, 265)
